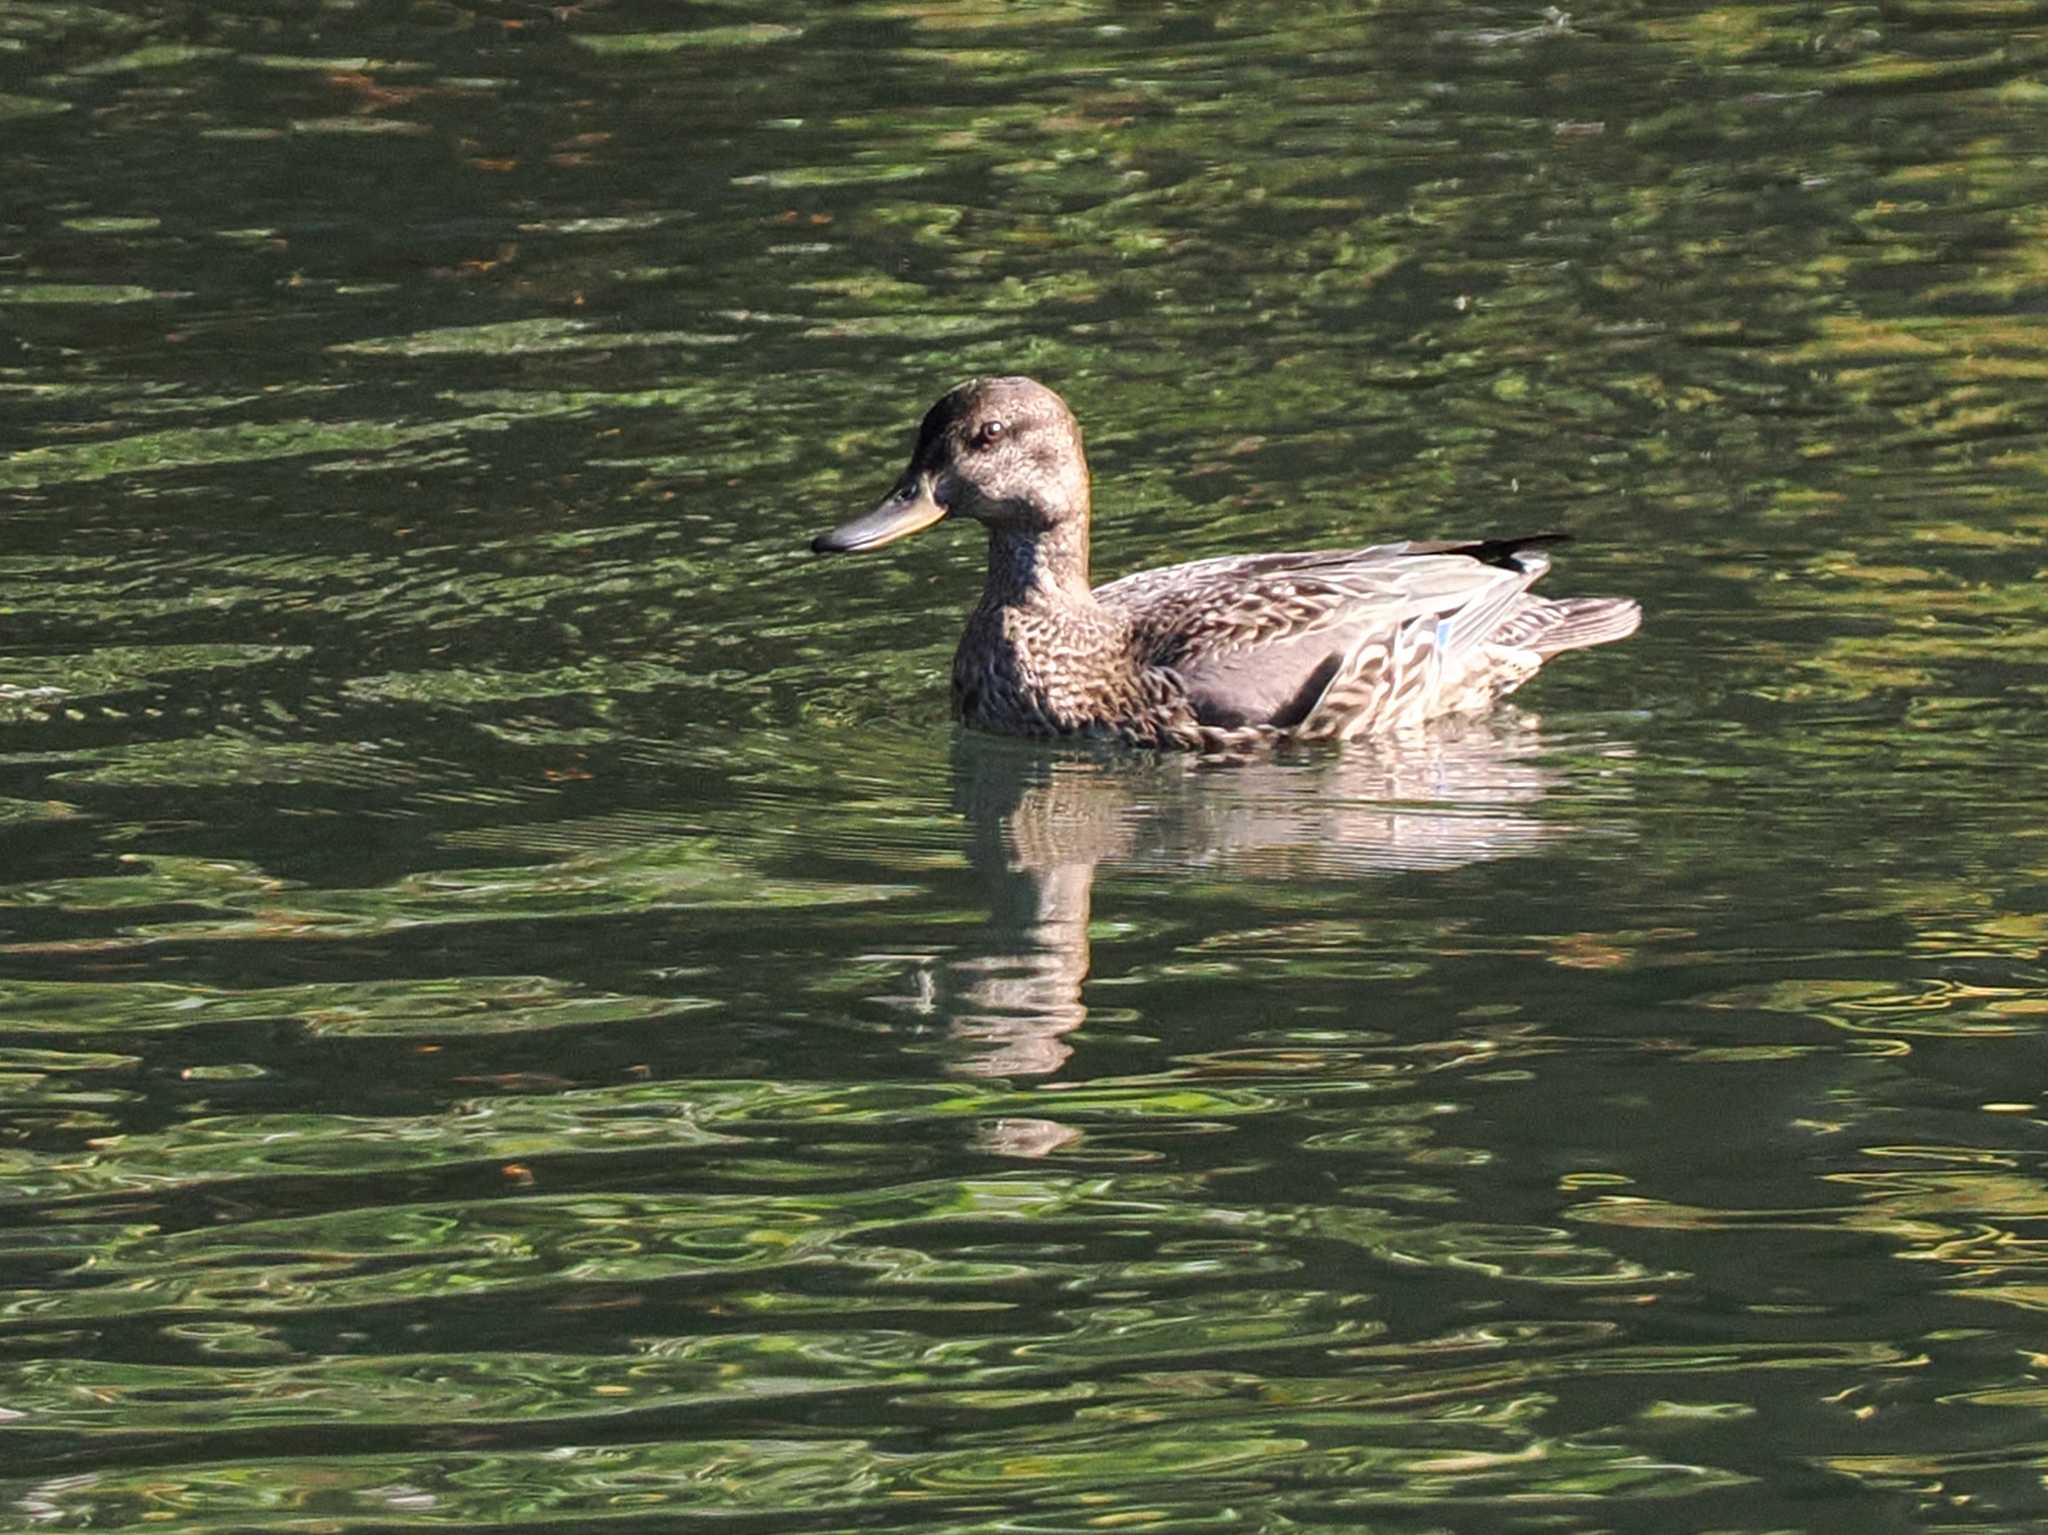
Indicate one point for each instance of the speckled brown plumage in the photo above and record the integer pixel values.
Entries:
(1219, 653)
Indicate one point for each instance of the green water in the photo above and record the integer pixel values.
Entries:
(519, 1012)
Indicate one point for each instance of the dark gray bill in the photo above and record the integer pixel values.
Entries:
(903, 514)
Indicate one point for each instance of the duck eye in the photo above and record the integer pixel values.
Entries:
(986, 434)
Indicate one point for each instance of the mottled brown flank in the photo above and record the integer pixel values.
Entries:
(1220, 653)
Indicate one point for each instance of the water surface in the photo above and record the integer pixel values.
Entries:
(517, 1009)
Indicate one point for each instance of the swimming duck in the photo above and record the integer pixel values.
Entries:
(1218, 654)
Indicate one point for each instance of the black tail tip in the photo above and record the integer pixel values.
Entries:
(1502, 551)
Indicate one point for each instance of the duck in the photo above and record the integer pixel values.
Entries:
(1218, 654)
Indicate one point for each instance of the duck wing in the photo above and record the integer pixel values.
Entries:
(1359, 636)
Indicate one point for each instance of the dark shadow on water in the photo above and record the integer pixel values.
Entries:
(1044, 822)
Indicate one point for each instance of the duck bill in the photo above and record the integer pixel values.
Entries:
(911, 508)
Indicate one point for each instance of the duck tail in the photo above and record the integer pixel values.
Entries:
(1568, 623)
(1503, 552)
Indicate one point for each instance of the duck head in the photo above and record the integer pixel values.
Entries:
(1003, 451)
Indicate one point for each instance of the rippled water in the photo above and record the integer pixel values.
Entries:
(517, 1010)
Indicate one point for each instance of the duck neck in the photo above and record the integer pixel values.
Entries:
(1032, 566)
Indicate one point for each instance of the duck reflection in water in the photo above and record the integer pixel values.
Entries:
(1043, 821)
